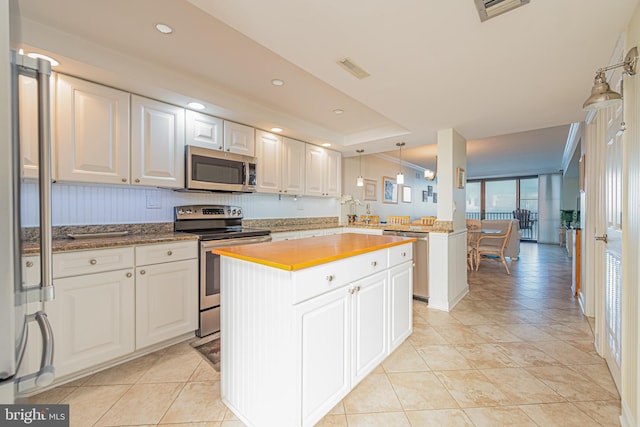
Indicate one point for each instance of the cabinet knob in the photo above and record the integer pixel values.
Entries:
(129, 274)
(404, 254)
(169, 253)
(29, 264)
(351, 291)
(228, 149)
(330, 278)
(357, 289)
(143, 272)
(93, 261)
(124, 180)
(374, 263)
(137, 179)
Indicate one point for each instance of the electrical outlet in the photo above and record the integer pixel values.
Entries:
(153, 202)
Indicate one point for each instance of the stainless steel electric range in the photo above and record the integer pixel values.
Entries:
(216, 226)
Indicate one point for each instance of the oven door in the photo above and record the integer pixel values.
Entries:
(210, 280)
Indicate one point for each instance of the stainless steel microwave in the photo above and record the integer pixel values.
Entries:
(215, 170)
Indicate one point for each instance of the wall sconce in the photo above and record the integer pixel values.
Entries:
(429, 174)
(400, 176)
(360, 181)
(601, 94)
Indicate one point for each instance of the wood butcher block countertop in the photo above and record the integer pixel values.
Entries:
(303, 253)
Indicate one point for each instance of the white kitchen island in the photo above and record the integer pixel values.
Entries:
(303, 321)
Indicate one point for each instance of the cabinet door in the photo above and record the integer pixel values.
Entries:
(325, 336)
(92, 122)
(203, 131)
(293, 162)
(269, 154)
(239, 139)
(157, 143)
(315, 169)
(92, 317)
(166, 301)
(333, 171)
(370, 312)
(400, 304)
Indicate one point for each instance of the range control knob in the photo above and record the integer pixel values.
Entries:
(239, 212)
(189, 211)
(180, 212)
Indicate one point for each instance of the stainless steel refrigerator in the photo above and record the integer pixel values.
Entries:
(15, 297)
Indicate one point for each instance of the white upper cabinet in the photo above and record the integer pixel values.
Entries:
(204, 131)
(293, 171)
(281, 164)
(157, 143)
(269, 155)
(239, 139)
(92, 123)
(323, 172)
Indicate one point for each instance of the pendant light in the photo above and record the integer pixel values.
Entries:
(360, 181)
(400, 176)
(430, 174)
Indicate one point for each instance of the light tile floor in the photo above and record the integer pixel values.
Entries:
(515, 351)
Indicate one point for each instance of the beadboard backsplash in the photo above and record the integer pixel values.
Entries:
(86, 204)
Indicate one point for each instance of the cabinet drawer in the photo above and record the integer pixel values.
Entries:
(400, 254)
(166, 252)
(95, 261)
(318, 280)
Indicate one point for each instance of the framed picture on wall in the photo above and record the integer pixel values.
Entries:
(425, 196)
(406, 194)
(370, 190)
(461, 178)
(429, 190)
(389, 190)
(435, 197)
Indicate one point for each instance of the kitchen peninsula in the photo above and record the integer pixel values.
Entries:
(303, 321)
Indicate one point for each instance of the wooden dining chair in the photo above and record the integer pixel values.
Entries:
(492, 250)
(427, 220)
(398, 220)
(474, 226)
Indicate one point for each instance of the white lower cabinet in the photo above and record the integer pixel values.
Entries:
(92, 317)
(166, 301)
(326, 326)
(319, 331)
(106, 308)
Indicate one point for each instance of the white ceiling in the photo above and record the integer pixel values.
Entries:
(433, 65)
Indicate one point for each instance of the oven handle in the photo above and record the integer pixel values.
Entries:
(234, 242)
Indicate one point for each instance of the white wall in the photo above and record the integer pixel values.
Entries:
(374, 167)
(86, 204)
(570, 193)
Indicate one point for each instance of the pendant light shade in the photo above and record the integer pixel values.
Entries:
(360, 181)
(400, 176)
(429, 174)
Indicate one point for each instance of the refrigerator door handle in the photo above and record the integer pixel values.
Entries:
(44, 176)
(46, 374)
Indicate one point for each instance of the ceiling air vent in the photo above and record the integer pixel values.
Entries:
(488, 9)
(353, 68)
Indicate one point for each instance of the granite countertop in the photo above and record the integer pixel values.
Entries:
(65, 245)
(292, 255)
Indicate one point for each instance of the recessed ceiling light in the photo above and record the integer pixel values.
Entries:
(277, 82)
(53, 62)
(326, 144)
(196, 106)
(276, 129)
(338, 111)
(164, 28)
